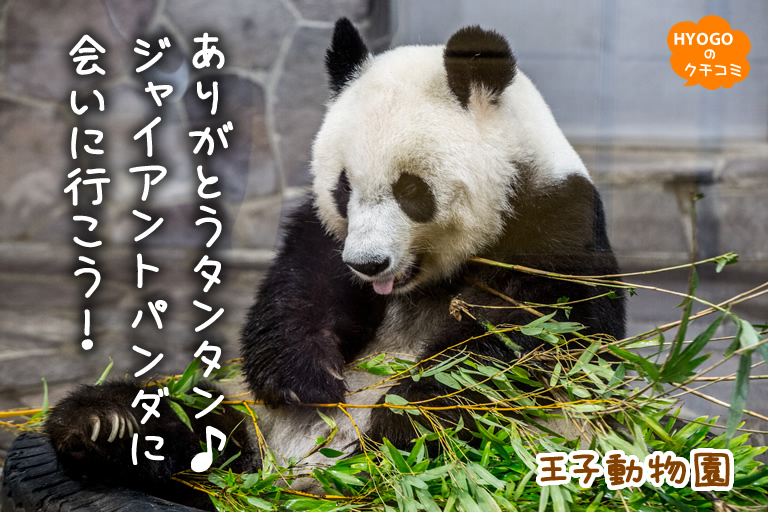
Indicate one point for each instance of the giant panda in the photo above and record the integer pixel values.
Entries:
(427, 156)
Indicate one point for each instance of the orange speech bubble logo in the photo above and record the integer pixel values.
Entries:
(709, 52)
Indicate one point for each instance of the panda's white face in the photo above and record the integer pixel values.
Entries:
(417, 156)
(409, 180)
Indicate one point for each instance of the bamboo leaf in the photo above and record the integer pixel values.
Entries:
(243, 409)
(746, 335)
(344, 478)
(448, 380)
(683, 329)
(544, 498)
(427, 501)
(45, 396)
(417, 452)
(739, 397)
(230, 460)
(179, 411)
(563, 327)
(467, 503)
(682, 366)
(444, 365)
(725, 259)
(486, 501)
(397, 458)
(557, 493)
(331, 453)
(328, 420)
(104, 374)
(185, 382)
(260, 503)
(484, 476)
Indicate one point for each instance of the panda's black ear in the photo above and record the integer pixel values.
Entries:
(479, 58)
(345, 56)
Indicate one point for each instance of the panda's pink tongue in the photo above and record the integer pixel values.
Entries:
(384, 287)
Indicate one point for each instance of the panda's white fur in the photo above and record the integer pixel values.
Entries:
(400, 113)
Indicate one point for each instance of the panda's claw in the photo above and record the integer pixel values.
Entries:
(336, 375)
(115, 427)
(129, 425)
(121, 433)
(96, 425)
(135, 423)
(292, 397)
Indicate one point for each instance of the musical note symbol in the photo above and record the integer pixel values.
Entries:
(202, 461)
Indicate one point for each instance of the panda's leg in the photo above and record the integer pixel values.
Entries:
(602, 315)
(100, 438)
(309, 319)
(428, 392)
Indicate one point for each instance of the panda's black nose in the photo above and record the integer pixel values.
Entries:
(371, 268)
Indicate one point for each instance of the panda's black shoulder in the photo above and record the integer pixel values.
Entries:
(556, 225)
(302, 223)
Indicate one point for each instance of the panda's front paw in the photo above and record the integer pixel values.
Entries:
(322, 384)
(93, 419)
(309, 370)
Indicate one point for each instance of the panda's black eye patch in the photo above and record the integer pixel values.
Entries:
(415, 197)
(341, 194)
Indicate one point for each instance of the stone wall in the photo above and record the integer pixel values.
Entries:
(272, 88)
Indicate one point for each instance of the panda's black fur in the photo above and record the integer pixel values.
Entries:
(314, 314)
